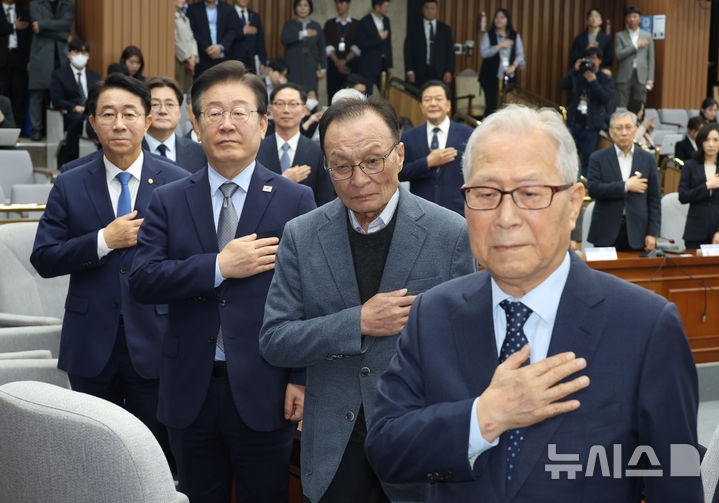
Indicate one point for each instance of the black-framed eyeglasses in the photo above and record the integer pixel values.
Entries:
(368, 166)
(526, 197)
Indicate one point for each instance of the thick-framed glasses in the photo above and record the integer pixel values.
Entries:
(169, 106)
(526, 197)
(292, 105)
(368, 166)
(238, 115)
(111, 117)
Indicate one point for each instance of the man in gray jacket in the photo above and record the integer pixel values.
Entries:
(634, 49)
(345, 277)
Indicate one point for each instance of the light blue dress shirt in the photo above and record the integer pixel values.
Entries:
(381, 221)
(543, 300)
(212, 21)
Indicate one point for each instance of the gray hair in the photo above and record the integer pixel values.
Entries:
(347, 94)
(519, 119)
(622, 113)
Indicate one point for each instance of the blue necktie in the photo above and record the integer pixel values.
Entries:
(517, 315)
(124, 203)
(285, 159)
(244, 19)
(435, 141)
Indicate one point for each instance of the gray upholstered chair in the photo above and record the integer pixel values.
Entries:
(710, 467)
(68, 447)
(33, 369)
(36, 354)
(25, 297)
(674, 219)
(586, 223)
(30, 193)
(30, 338)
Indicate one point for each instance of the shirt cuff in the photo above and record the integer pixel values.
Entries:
(410, 72)
(356, 50)
(102, 248)
(477, 443)
(303, 34)
(329, 49)
(218, 275)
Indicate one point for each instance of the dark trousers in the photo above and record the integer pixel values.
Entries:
(355, 481)
(622, 241)
(219, 447)
(120, 384)
(335, 79)
(13, 83)
(693, 245)
(586, 141)
(425, 73)
(491, 95)
(74, 123)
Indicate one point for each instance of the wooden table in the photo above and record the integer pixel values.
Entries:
(691, 282)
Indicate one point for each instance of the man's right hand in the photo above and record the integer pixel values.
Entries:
(246, 256)
(311, 32)
(385, 314)
(248, 29)
(636, 183)
(441, 156)
(122, 232)
(642, 43)
(297, 173)
(518, 397)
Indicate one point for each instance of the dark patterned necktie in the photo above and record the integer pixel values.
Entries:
(162, 149)
(435, 141)
(517, 315)
(226, 230)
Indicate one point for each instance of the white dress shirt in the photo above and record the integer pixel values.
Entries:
(634, 37)
(427, 24)
(114, 187)
(293, 146)
(378, 22)
(11, 16)
(170, 143)
(381, 221)
(442, 134)
(625, 162)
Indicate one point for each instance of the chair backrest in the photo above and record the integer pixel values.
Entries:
(37, 354)
(28, 193)
(674, 218)
(710, 467)
(692, 112)
(15, 167)
(63, 446)
(22, 290)
(586, 223)
(674, 116)
(669, 142)
(30, 338)
(33, 369)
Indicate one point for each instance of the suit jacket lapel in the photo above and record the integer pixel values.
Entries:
(144, 191)
(614, 162)
(577, 328)
(256, 200)
(335, 246)
(271, 157)
(199, 203)
(96, 187)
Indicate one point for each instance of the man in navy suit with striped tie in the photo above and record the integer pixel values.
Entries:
(433, 151)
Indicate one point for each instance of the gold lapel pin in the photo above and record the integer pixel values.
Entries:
(150, 181)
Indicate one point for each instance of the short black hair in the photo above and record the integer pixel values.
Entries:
(117, 68)
(354, 109)
(708, 102)
(434, 83)
(632, 10)
(353, 79)
(92, 93)
(120, 81)
(297, 2)
(277, 64)
(160, 81)
(228, 71)
(590, 51)
(130, 51)
(695, 122)
(78, 44)
(429, 1)
(289, 85)
(594, 9)
(378, 2)
(701, 138)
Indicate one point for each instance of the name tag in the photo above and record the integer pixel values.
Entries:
(341, 46)
(710, 250)
(605, 253)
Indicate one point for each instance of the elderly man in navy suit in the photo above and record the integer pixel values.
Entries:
(346, 276)
(110, 343)
(207, 248)
(290, 153)
(69, 88)
(624, 181)
(433, 151)
(525, 382)
(160, 138)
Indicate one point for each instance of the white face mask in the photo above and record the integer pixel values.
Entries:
(312, 103)
(79, 60)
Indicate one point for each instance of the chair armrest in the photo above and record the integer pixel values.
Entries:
(30, 339)
(20, 320)
(35, 354)
(46, 172)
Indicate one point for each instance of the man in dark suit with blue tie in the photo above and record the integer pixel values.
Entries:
(253, 44)
(216, 27)
(69, 87)
(428, 48)
(207, 248)
(160, 138)
(110, 343)
(527, 381)
(624, 182)
(374, 38)
(287, 151)
(433, 151)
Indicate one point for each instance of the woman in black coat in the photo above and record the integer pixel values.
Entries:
(699, 186)
(593, 36)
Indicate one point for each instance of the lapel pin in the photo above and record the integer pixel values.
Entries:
(150, 181)
(267, 188)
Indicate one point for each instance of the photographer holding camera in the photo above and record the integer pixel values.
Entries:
(587, 111)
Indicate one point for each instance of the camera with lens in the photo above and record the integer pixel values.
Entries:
(586, 65)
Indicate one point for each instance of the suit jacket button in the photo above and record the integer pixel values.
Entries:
(222, 303)
(211, 340)
(115, 304)
(364, 372)
(123, 270)
(350, 416)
